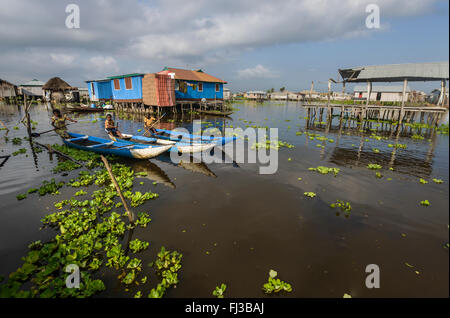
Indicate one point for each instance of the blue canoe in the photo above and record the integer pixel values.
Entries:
(181, 136)
(118, 148)
(178, 147)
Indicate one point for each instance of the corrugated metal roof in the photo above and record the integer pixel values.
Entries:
(33, 82)
(126, 75)
(189, 75)
(382, 88)
(434, 71)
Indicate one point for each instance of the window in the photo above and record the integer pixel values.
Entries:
(128, 84)
(200, 87)
(217, 87)
(116, 84)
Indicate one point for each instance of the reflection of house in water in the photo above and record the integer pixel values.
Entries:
(404, 161)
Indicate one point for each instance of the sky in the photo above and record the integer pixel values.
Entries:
(252, 44)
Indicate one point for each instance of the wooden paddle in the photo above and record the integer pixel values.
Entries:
(147, 130)
(47, 131)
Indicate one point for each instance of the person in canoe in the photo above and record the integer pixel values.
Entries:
(149, 122)
(59, 122)
(111, 127)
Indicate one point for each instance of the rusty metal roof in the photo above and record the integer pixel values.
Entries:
(190, 75)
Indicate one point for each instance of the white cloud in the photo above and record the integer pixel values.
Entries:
(259, 71)
(63, 59)
(104, 63)
(133, 34)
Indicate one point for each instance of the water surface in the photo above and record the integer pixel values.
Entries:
(233, 225)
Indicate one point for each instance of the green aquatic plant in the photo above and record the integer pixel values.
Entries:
(167, 265)
(20, 151)
(66, 166)
(50, 187)
(417, 137)
(275, 285)
(438, 181)
(219, 291)
(325, 170)
(378, 175)
(376, 150)
(425, 203)
(343, 206)
(137, 245)
(309, 194)
(374, 166)
(16, 141)
(401, 146)
(138, 198)
(21, 196)
(423, 181)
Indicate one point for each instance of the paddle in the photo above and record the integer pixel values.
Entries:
(147, 130)
(47, 131)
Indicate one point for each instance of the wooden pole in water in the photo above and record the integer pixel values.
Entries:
(405, 84)
(369, 92)
(116, 185)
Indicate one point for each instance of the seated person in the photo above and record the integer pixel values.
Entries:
(111, 128)
(59, 122)
(149, 121)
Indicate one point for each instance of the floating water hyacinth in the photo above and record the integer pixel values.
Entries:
(275, 285)
(219, 291)
(344, 206)
(309, 194)
(325, 170)
(374, 166)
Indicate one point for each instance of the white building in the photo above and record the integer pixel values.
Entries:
(255, 95)
(286, 95)
(226, 94)
(32, 88)
(381, 93)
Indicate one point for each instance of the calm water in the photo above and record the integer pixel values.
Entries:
(251, 223)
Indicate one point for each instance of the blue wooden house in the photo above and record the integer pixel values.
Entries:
(194, 85)
(127, 88)
(100, 90)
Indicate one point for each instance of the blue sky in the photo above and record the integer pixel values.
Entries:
(253, 44)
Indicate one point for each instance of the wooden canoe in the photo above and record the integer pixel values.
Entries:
(215, 112)
(189, 138)
(86, 109)
(110, 147)
(181, 147)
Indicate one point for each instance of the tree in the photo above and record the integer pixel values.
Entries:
(282, 89)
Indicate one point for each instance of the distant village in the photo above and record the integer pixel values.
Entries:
(174, 86)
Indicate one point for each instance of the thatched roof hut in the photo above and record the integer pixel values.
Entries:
(56, 84)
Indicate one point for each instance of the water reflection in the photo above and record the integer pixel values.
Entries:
(412, 160)
(196, 167)
(154, 172)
